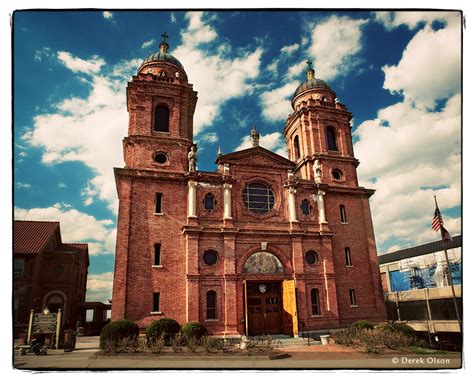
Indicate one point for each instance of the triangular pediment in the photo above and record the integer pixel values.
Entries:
(257, 156)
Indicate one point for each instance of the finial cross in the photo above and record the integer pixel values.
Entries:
(309, 62)
(164, 35)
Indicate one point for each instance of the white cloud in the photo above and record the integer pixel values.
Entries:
(75, 64)
(23, 185)
(289, 49)
(173, 18)
(89, 130)
(108, 15)
(208, 137)
(335, 43)
(394, 19)
(295, 71)
(99, 287)
(276, 104)
(216, 76)
(272, 141)
(148, 43)
(430, 68)
(75, 226)
(410, 153)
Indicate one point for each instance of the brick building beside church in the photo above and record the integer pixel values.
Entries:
(264, 245)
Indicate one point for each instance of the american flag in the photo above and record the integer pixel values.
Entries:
(437, 220)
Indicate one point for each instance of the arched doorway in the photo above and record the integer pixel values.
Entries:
(55, 300)
(263, 294)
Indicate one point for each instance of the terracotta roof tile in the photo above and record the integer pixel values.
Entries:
(30, 237)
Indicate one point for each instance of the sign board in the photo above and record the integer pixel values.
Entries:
(46, 323)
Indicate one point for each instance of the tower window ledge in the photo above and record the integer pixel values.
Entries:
(354, 306)
(159, 214)
(156, 313)
(349, 266)
(157, 266)
(344, 223)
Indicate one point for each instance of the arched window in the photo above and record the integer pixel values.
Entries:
(296, 147)
(211, 313)
(305, 207)
(162, 116)
(209, 202)
(331, 139)
(315, 302)
(342, 211)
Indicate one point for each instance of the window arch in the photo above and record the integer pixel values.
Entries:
(162, 115)
(331, 138)
(211, 309)
(296, 147)
(315, 309)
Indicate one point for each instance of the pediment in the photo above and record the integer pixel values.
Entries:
(256, 156)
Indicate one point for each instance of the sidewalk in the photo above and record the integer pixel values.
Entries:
(312, 357)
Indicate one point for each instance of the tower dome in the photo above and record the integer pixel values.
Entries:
(160, 58)
(311, 85)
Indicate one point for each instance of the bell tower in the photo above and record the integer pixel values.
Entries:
(318, 134)
(161, 105)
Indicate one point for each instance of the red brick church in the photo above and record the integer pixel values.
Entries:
(263, 245)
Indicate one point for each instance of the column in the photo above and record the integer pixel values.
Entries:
(227, 201)
(292, 205)
(321, 212)
(192, 199)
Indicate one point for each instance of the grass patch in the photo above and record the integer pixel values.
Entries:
(424, 351)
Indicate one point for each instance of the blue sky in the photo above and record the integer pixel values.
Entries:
(398, 73)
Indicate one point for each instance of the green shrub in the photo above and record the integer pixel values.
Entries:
(116, 331)
(362, 324)
(194, 329)
(165, 328)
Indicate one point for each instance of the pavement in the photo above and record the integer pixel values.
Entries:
(84, 357)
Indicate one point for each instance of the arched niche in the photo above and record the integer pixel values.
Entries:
(263, 262)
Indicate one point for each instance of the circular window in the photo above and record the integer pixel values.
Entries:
(160, 158)
(336, 174)
(210, 257)
(58, 269)
(311, 257)
(258, 198)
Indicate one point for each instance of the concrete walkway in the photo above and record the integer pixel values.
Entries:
(84, 358)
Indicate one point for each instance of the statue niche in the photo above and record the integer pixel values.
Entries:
(263, 263)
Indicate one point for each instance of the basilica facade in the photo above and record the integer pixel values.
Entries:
(264, 244)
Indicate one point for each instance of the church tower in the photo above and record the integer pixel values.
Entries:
(152, 189)
(318, 133)
(161, 104)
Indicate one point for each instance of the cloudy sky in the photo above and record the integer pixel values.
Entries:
(398, 72)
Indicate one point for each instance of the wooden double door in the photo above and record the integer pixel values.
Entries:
(264, 308)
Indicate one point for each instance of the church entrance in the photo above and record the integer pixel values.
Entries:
(264, 308)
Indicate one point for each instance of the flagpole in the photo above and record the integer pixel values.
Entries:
(450, 277)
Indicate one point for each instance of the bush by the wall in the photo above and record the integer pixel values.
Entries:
(116, 331)
(399, 328)
(165, 328)
(193, 329)
(363, 324)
